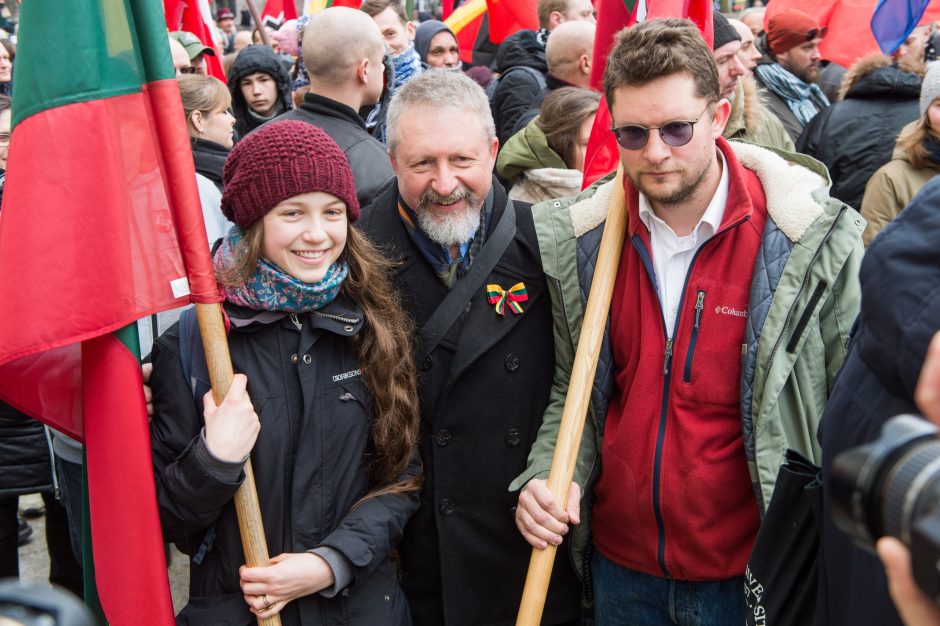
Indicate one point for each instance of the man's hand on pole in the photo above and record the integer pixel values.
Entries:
(539, 517)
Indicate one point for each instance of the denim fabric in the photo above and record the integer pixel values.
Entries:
(623, 597)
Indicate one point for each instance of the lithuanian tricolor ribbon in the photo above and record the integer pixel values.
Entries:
(500, 297)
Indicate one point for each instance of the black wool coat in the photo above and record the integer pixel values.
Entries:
(483, 391)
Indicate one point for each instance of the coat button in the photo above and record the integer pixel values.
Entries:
(427, 364)
(513, 438)
(443, 437)
(308, 359)
(447, 507)
(512, 362)
(294, 359)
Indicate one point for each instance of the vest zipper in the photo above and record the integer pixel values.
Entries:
(667, 376)
(699, 305)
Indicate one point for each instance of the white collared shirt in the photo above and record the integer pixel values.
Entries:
(672, 254)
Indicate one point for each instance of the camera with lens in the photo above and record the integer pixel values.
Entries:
(891, 486)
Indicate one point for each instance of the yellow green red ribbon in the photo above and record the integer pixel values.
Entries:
(500, 297)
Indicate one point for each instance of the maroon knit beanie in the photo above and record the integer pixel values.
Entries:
(791, 28)
(279, 161)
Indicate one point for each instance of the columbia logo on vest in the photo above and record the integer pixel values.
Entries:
(730, 310)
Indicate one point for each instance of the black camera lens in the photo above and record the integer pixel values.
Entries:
(892, 487)
(885, 487)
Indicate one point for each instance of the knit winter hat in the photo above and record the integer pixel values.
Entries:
(791, 28)
(281, 160)
(723, 31)
(930, 88)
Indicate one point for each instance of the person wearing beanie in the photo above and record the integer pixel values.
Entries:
(344, 58)
(260, 87)
(788, 75)
(436, 45)
(916, 160)
(323, 403)
(749, 120)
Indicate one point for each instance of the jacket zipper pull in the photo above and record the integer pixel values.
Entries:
(699, 305)
(668, 356)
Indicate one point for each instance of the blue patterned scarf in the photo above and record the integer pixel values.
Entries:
(406, 65)
(804, 100)
(271, 289)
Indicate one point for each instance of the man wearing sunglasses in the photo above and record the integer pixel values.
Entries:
(735, 292)
(791, 70)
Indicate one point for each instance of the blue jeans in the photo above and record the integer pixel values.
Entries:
(623, 597)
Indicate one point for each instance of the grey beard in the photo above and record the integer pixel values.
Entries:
(452, 230)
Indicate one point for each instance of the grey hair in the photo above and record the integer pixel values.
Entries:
(439, 88)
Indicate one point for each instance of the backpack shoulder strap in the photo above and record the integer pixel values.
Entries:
(193, 357)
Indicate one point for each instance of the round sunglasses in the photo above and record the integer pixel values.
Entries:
(676, 133)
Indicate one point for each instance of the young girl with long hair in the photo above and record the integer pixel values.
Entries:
(324, 402)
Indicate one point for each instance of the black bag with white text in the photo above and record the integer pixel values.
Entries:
(784, 582)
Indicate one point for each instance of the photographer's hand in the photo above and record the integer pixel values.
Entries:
(915, 608)
(927, 395)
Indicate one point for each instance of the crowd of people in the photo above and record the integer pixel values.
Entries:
(406, 252)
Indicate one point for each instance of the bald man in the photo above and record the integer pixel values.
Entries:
(343, 50)
(568, 55)
(748, 54)
(180, 58)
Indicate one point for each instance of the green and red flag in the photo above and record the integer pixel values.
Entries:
(100, 226)
(612, 17)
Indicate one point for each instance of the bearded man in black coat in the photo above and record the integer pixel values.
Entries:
(470, 276)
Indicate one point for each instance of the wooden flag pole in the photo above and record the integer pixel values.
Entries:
(219, 361)
(579, 395)
(262, 31)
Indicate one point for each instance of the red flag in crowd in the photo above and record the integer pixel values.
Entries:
(849, 23)
(194, 16)
(276, 12)
(105, 251)
(612, 17)
(466, 22)
(510, 16)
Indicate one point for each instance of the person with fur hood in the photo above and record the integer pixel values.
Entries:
(880, 91)
(735, 292)
(749, 120)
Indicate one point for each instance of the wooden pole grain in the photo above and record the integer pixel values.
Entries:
(219, 361)
(579, 395)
